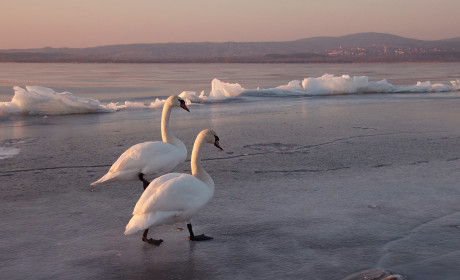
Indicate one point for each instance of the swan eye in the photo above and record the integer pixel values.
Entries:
(181, 101)
(216, 138)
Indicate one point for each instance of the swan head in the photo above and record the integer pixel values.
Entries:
(211, 137)
(176, 101)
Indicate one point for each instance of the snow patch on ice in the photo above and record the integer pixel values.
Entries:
(456, 84)
(221, 90)
(38, 100)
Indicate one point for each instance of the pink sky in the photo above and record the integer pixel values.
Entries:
(87, 23)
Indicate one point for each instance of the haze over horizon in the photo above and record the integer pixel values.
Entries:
(83, 23)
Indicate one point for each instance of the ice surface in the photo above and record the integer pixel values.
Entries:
(329, 84)
(221, 90)
(192, 97)
(36, 100)
(318, 187)
(6, 152)
(45, 101)
(306, 188)
(292, 85)
(12, 147)
(131, 105)
(456, 84)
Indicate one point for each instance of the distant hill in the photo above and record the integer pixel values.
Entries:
(362, 47)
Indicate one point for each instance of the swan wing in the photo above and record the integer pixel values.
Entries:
(174, 192)
(144, 154)
(144, 221)
(150, 158)
(129, 156)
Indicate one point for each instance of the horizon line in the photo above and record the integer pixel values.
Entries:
(223, 42)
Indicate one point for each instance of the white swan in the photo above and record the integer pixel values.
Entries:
(175, 197)
(150, 158)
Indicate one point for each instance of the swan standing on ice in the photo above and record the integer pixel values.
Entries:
(175, 197)
(150, 158)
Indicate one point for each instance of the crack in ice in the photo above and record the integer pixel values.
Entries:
(387, 245)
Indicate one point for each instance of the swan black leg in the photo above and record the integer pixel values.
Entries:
(194, 237)
(145, 183)
(151, 241)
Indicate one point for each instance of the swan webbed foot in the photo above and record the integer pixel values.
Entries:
(152, 241)
(200, 237)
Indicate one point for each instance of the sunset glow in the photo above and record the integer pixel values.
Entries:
(84, 23)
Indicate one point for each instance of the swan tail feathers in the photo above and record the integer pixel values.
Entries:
(140, 222)
(106, 178)
(144, 221)
(131, 175)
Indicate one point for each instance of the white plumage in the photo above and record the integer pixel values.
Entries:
(169, 199)
(175, 197)
(150, 158)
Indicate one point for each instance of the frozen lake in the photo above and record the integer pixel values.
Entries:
(306, 188)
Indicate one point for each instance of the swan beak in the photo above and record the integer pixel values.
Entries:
(216, 143)
(183, 106)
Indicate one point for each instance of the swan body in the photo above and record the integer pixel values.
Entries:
(151, 158)
(175, 197)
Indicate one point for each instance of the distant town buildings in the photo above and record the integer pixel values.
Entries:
(382, 51)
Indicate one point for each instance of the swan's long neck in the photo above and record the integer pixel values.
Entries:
(197, 169)
(166, 135)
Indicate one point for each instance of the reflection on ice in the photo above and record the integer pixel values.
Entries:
(6, 152)
(10, 148)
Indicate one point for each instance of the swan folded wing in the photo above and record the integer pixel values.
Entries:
(128, 157)
(169, 158)
(173, 192)
(143, 221)
(149, 157)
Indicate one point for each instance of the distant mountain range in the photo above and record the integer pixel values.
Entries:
(362, 47)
